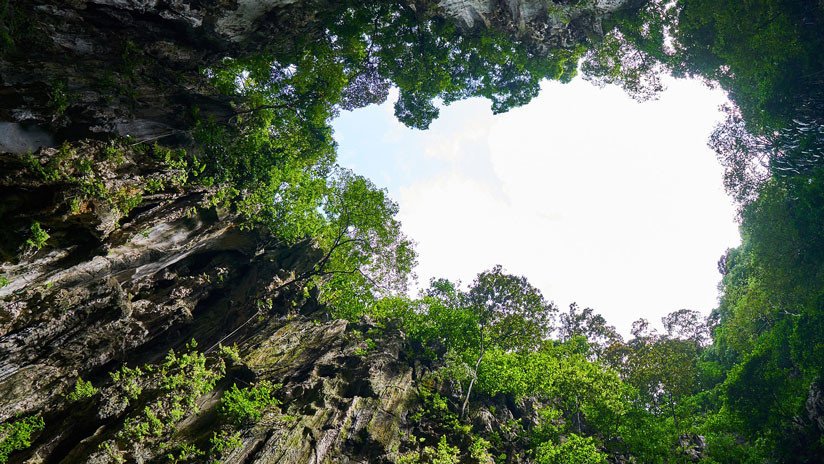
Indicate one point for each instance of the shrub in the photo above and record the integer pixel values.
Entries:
(574, 450)
(82, 389)
(17, 435)
(185, 453)
(244, 406)
(444, 454)
(224, 443)
(39, 237)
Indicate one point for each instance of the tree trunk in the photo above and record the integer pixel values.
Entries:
(471, 383)
(674, 417)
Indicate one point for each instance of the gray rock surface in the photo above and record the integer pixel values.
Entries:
(174, 271)
(112, 288)
(75, 75)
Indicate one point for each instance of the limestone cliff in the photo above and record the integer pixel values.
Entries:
(544, 22)
(97, 316)
(93, 298)
(110, 260)
(72, 70)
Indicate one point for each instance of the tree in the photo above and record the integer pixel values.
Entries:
(366, 253)
(664, 368)
(574, 449)
(510, 314)
(760, 51)
(632, 53)
(499, 312)
(769, 322)
(359, 49)
(586, 323)
(687, 324)
(744, 156)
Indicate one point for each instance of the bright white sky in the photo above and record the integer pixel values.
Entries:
(594, 197)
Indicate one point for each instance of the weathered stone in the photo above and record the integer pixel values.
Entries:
(692, 446)
(112, 288)
(91, 68)
(815, 405)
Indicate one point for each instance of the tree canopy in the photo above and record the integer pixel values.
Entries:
(744, 385)
(740, 380)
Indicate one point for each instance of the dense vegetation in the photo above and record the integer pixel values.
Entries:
(745, 385)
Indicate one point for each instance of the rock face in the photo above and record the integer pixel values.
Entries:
(541, 25)
(693, 447)
(348, 406)
(124, 274)
(470, 13)
(338, 406)
(108, 304)
(94, 298)
(815, 406)
(94, 68)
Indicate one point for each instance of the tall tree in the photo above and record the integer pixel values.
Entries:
(577, 322)
(510, 314)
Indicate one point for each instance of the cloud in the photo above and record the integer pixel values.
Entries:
(594, 197)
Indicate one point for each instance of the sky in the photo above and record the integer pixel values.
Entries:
(595, 198)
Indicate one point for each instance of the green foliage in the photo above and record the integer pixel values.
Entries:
(112, 452)
(634, 52)
(246, 406)
(7, 23)
(17, 30)
(57, 166)
(587, 398)
(663, 370)
(128, 381)
(367, 254)
(224, 443)
(760, 60)
(435, 409)
(513, 358)
(368, 345)
(429, 58)
(768, 334)
(220, 445)
(574, 449)
(229, 353)
(289, 184)
(479, 450)
(59, 98)
(168, 392)
(17, 435)
(511, 313)
(86, 170)
(38, 237)
(443, 454)
(599, 336)
(185, 453)
(498, 312)
(278, 144)
(4, 281)
(82, 389)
